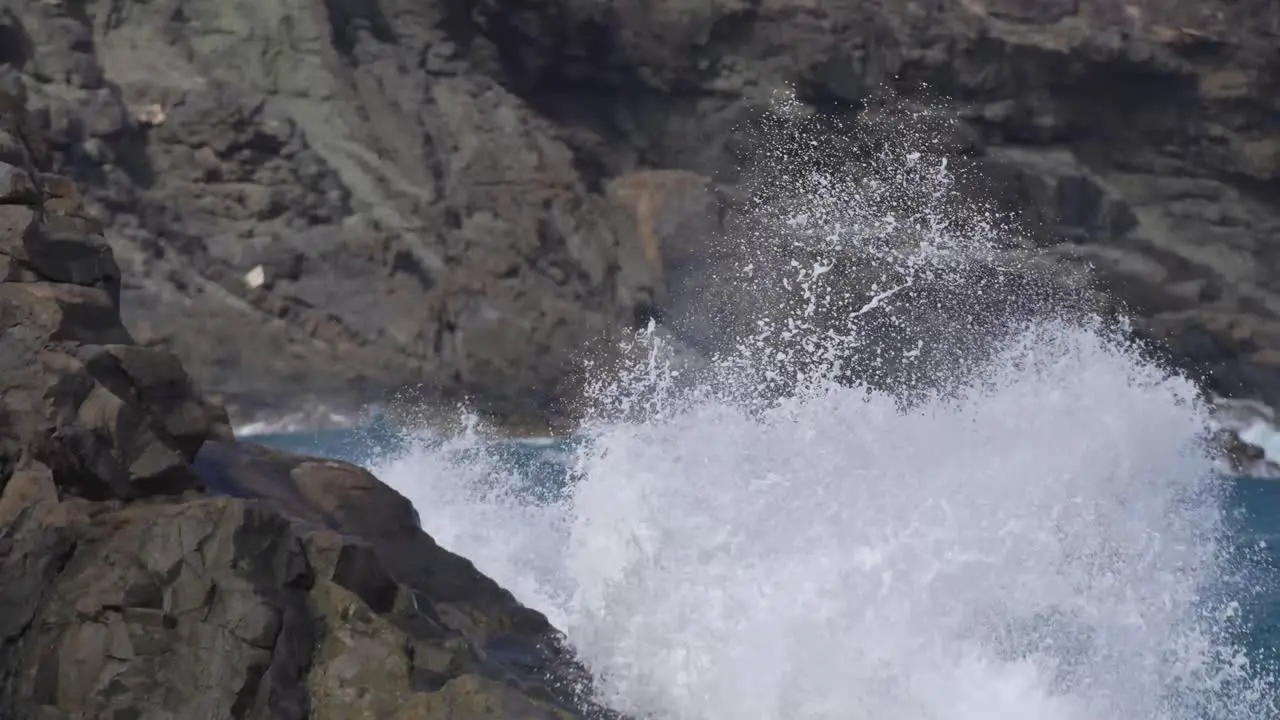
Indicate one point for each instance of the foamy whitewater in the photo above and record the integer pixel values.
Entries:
(1040, 538)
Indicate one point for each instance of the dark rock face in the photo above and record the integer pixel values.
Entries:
(152, 568)
(104, 417)
(373, 229)
(412, 193)
(232, 608)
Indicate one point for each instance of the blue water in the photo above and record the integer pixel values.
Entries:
(541, 463)
(1254, 511)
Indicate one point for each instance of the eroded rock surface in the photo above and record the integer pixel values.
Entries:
(347, 200)
(152, 569)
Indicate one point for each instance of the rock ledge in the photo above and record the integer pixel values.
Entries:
(153, 568)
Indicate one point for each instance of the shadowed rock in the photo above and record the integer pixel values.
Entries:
(151, 568)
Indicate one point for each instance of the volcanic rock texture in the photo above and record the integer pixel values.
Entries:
(151, 568)
(342, 198)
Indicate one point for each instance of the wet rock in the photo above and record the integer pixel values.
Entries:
(421, 627)
(676, 220)
(1244, 458)
(1245, 429)
(261, 608)
(150, 567)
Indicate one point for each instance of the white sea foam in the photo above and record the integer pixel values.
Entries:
(1035, 537)
(315, 417)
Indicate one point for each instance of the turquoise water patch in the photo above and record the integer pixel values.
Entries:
(541, 472)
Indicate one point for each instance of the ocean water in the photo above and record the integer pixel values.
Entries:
(924, 495)
(702, 576)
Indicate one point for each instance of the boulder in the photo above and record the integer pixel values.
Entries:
(230, 608)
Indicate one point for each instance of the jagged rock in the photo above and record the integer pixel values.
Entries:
(106, 419)
(288, 588)
(426, 187)
(382, 557)
(226, 608)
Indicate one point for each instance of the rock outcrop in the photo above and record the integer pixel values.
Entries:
(435, 193)
(150, 567)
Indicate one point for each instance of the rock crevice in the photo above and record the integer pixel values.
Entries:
(153, 568)
(413, 194)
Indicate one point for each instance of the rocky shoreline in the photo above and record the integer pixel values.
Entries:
(153, 567)
(291, 199)
(352, 201)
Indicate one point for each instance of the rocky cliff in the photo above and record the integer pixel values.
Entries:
(347, 198)
(152, 568)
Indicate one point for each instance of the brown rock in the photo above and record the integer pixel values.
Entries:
(676, 219)
(267, 608)
(429, 615)
(158, 601)
(16, 186)
(126, 592)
